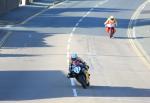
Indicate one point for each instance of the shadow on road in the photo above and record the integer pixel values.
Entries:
(29, 85)
(56, 14)
(22, 39)
(116, 91)
(117, 37)
(17, 55)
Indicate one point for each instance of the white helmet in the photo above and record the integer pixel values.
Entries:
(111, 17)
(74, 55)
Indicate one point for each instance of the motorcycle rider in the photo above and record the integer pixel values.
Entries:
(75, 59)
(111, 22)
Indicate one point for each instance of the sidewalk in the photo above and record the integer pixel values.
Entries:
(20, 14)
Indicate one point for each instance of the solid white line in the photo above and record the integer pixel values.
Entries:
(134, 36)
(131, 33)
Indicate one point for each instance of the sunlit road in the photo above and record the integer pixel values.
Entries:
(33, 61)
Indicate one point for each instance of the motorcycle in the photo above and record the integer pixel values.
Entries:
(81, 75)
(110, 29)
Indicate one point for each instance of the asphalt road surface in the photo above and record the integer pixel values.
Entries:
(34, 59)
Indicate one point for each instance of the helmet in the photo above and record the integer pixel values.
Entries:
(74, 56)
(111, 17)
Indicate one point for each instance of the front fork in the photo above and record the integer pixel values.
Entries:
(111, 31)
(87, 76)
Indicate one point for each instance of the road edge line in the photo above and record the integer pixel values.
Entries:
(131, 34)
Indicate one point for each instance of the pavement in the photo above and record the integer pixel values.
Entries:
(142, 31)
(20, 14)
(33, 61)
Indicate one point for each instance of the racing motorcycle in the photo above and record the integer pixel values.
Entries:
(81, 75)
(110, 30)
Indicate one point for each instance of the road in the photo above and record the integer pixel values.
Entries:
(34, 59)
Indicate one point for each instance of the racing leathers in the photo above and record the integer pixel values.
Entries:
(78, 61)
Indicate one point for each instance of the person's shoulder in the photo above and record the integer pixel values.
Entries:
(80, 59)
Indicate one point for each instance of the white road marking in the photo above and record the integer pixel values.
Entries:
(23, 22)
(80, 20)
(73, 29)
(75, 92)
(72, 82)
(8, 26)
(30, 18)
(77, 24)
(131, 33)
(134, 36)
(69, 40)
(72, 33)
(4, 38)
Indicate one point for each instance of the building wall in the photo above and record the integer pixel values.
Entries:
(7, 5)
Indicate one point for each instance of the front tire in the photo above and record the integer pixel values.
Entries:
(88, 84)
(82, 80)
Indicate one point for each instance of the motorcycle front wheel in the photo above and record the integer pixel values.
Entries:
(82, 80)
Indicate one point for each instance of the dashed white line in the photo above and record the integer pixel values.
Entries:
(77, 24)
(72, 82)
(80, 20)
(74, 29)
(68, 48)
(75, 92)
(71, 34)
(69, 40)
